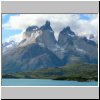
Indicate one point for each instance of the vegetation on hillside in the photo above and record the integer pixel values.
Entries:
(75, 72)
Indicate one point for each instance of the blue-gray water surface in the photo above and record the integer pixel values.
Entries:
(44, 82)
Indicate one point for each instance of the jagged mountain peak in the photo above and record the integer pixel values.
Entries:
(6, 46)
(67, 30)
(8, 43)
(66, 36)
(46, 26)
(47, 37)
(89, 41)
(31, 28)
(37, 34)
(47, 23)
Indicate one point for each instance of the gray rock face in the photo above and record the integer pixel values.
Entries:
(72, 45)
(66, 37)
(47, 37)
(28, 58)
(28, 32)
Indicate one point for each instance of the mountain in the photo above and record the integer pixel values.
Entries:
(39, 49)
(28, 58)
(77, 48)
(29, 30)
(65, 37)
(6, 46)
(47, 36)
(29, 36)
(43, 36)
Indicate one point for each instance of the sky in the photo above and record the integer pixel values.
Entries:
(13, 25)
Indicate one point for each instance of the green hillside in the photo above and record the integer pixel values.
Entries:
(77, 72)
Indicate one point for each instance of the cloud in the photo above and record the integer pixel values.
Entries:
(80, 26)
(17, 38)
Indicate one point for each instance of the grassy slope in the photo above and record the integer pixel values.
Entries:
(78, 72)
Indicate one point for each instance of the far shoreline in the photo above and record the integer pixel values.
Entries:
(88, 80)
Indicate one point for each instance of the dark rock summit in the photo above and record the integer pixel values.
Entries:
(66, 36)
(46, 26)
(29, 30)
(47, 37)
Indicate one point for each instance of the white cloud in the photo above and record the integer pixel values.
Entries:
(58, 22)
(16, 38)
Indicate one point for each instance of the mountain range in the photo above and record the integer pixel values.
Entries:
(39, 49)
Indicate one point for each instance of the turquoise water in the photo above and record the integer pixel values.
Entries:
(44, 82)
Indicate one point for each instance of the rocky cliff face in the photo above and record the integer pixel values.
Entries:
(77, 46)
(47, 37)
(28, 32)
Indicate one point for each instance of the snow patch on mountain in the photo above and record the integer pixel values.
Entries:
(71, 35)
(79, 49)
(8, 45)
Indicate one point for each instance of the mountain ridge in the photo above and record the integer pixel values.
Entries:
(39, 49)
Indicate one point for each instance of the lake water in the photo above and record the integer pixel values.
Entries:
(44, 82)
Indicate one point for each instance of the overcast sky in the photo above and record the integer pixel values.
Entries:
(13, 25)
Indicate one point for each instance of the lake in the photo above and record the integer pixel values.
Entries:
(44, 82)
